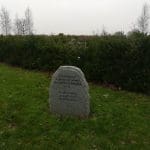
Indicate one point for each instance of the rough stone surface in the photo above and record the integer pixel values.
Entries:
(69, 92)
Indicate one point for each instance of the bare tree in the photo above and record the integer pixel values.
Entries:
(104, 32)
(24, 26)
(5, 21)
(20, 26)
(17, 26)
(28, 21)
(143, 20)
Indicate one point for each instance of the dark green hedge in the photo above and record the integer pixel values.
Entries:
(123, 61)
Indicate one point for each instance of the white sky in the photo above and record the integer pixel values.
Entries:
(78, 16)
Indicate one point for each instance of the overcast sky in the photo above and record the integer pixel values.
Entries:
(78, 16)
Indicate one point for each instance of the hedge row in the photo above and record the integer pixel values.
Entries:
(123, 61)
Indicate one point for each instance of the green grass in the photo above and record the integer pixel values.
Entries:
(118, 120)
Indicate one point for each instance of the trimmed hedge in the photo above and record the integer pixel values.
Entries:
(119, 60)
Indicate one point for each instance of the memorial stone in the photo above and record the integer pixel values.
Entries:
(69, 95)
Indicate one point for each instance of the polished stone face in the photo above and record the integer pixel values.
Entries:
(69, 92)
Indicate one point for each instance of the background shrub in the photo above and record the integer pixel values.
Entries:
(123, 61)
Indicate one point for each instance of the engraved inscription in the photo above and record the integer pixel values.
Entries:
(68, 80)
(67, 96)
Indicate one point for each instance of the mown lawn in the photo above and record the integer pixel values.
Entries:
(118, 120)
